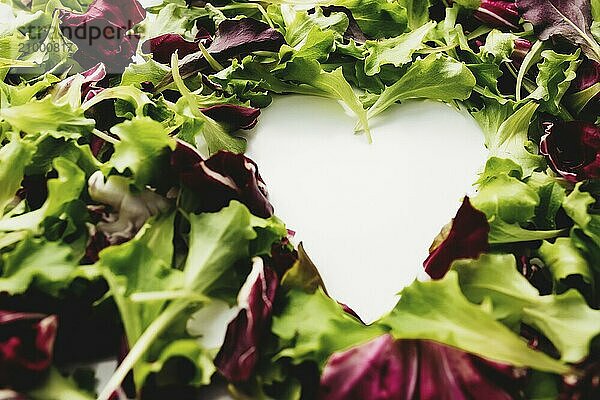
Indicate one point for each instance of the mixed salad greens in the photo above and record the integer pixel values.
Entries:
(133, 227)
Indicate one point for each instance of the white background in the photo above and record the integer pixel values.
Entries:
(366, 213)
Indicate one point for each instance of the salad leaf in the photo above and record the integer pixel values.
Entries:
(313, 326)
(438, 310)
(564, 260)
(14, 157)
(397, 50)
(569, 20)
(50, 266)
(556, 73)
(142, 149)
(466, 238)
(433, 77)
(565, 319)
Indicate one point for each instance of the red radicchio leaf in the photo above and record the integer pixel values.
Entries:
(223, 177)
(468, 238)
(233, 117)
(573, 149)
(26, 347)
(385, 369)
(244, 36)
(238, 356)
(234, 38)
(101, 32)
(568, 19)
(162, 47)
(89, 87)
(498, 13)
(377, 370)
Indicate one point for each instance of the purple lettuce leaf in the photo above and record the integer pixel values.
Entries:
(101, 32)
(467, 238)
(498, 14)
(233, 38)
(233, 117)
(388, 369)
(380, 369)
(573, 149)
(588, 74)
(239, 354)
(244, 36)
(90, 86)
(568, 19)
(223, 177)
(26, 347)
(162, 47)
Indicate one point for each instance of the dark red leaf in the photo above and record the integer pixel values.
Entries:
(244, 36)
(162, 47)
(101, 32)
(238, 356)
(233, 117)
(468, 238)
(498, 13)
(26, 347)
(223, 177)
(573, 149)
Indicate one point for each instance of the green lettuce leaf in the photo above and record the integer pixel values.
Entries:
(314, 326)
(434, 77)
(437, 310)
(565, 319)
(14, 157)
(397, 50)
(143, 149)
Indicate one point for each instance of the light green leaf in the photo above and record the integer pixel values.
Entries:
(564, 259)
(209, 259)
(437, 310)
(511, 141)
(61, 191)
(14, 157)
(313, 326)
(565, 319)
(499, 45)
(435, 77)
(417, 12)
(397, 50)
(45, 116)
(49, 266)
(577, 205)
(143, 148)
(554, 78)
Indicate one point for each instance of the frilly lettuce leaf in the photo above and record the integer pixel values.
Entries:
(437, 310)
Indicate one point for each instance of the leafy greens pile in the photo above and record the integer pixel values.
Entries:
(133, 227)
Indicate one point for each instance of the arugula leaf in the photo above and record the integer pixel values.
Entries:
(565, 319)
(397, 50)
(437, 310)
(434, 77)
(571, 20)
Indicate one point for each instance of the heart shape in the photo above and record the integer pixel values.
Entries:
(366, 213)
